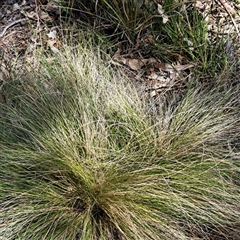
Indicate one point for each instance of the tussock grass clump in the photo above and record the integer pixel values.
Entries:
(81, 157)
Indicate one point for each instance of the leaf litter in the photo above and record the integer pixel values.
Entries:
(151, 70)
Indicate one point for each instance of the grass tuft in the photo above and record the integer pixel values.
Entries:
(81, 157)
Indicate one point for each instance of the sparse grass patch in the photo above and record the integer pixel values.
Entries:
(82, 157)
(187, 34)
(179, 32)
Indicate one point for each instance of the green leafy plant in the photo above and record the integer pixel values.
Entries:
(82, 157)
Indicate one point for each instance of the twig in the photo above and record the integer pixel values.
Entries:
(10, 25)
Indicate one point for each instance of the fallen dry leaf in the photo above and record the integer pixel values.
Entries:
(32, 15)
(162, 14)
(133, 63)
(52, 34)
(184, 67)
(51, 43)
(44, 16)
(158, 77)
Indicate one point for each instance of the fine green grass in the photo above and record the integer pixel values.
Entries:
(187, 34)
(82, 157)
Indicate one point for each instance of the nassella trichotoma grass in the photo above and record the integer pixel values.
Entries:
(82, 158)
